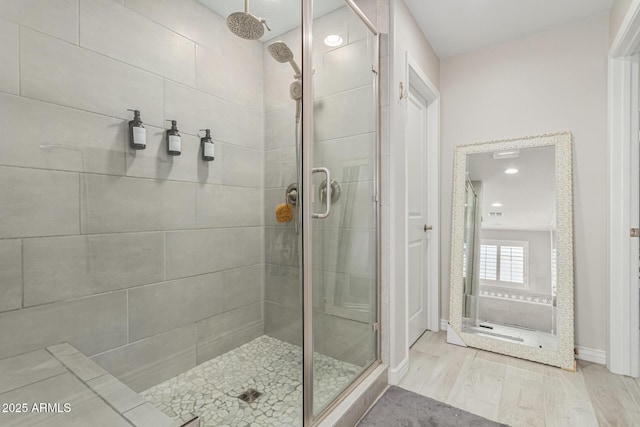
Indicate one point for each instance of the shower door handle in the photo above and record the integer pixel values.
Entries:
(328, 177)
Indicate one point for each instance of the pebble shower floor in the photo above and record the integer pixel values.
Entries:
(273, 367)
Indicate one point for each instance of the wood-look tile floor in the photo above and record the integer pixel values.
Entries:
(518, 392)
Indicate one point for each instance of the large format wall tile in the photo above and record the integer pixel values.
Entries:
(120, 33)
(229, 330)
(354, 209)
(61, 268)
(280, 167)
(224, 206)
(192, 19)
(42, 135)
(57, 72)
(158, 308)
(92, 325)
(342, 115)
(10, 274)
(143, 364)
(283, 285)
(63, 388)
(344, 339)
(282, 245)
(350, 159)
(242, 286)
(9, 78)
(58, 18)
(241, 166)
(38, 203)
(343, 69)
(229, 78)
(205, 251)
(276, 89)
(280, 127)
(350, 251)
(229, 122)
(155, 162)
(118, 204)
(283, 323)
(29, 368)
(272, 198)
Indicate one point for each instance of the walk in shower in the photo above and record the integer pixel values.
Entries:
(161, 258)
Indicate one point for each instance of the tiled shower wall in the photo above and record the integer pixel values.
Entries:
(345, 143)
(148, 263)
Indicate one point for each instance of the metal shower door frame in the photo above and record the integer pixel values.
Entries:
(307, 148)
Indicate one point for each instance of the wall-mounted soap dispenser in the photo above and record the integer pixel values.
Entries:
(137, 132)
(207, 146)
(174, 141)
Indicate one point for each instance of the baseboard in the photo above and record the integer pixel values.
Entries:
(397, 374)
(584, 353)
(591, 355)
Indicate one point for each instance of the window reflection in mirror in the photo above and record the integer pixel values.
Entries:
(510, 244)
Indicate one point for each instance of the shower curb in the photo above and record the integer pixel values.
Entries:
(353, 407)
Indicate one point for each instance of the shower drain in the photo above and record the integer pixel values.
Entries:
(250, 395)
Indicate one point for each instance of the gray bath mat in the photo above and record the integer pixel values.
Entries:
(402, 408)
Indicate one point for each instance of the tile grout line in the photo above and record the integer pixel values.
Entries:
(38, 381)
(128, 322)
(80, 200)
(155, 335)
(135, 287)
(78, 11)
(115, 233)
(22, 271)
(132, 177)
(19, 29)
(88, 387)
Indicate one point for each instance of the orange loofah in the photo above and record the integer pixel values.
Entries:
(284, 212)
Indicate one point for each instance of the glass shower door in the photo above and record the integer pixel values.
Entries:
(344, 202)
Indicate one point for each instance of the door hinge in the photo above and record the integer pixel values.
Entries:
(376, 327)
(374, 198)
(635, 232)
(374, 70)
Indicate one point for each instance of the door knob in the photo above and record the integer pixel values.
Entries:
(428, 228)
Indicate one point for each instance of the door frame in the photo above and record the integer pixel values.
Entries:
(418, 81)
(623, 356)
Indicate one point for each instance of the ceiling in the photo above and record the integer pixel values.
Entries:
(458, 26)
(281, 15)
(527, 198)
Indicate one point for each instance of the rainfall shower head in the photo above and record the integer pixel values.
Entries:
(282, 53)
(245, 25)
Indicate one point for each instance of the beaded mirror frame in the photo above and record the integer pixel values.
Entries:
(564, 356)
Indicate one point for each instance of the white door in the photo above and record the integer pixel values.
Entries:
(417, 221)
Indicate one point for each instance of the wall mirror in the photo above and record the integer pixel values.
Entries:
(512, 249)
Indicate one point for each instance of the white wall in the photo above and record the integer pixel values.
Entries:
(551, 81)
(406, 36)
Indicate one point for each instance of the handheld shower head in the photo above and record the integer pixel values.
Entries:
(245, 25)
(282, 53)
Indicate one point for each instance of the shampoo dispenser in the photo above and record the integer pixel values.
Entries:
(174, 141)
(207, 146)
(137, 132)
